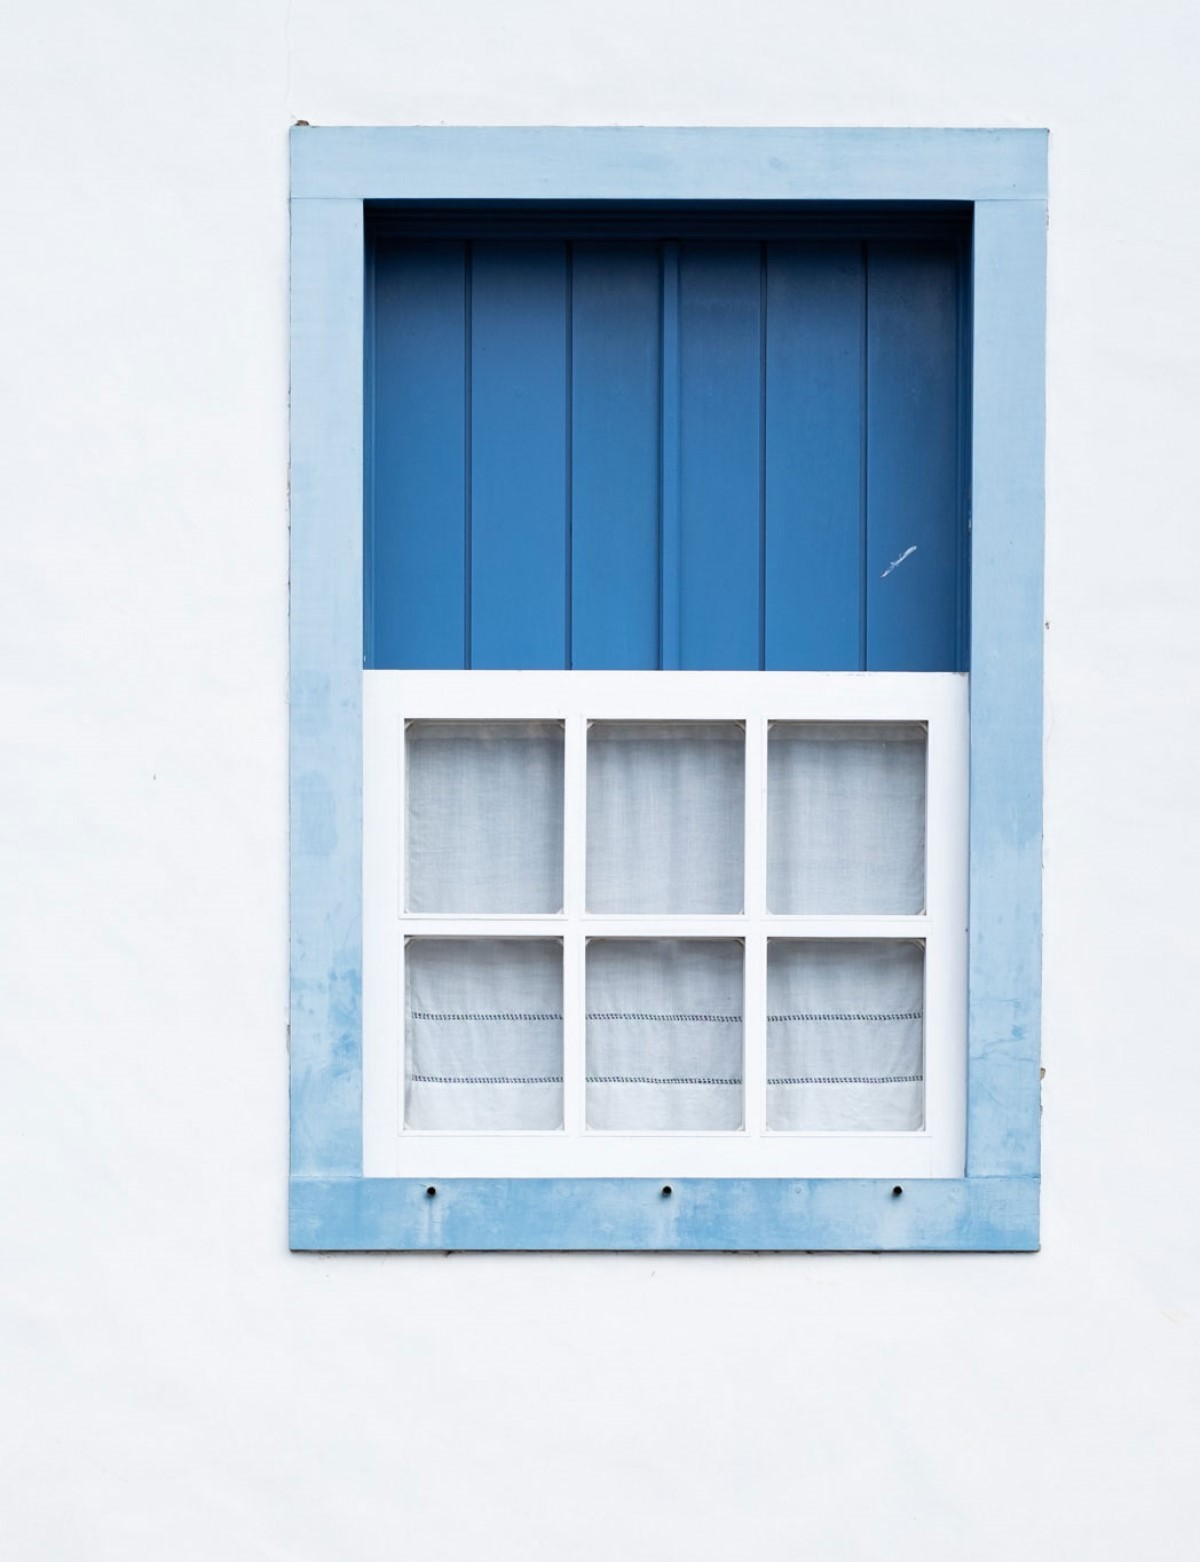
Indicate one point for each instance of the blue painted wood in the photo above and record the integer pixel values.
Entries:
(628, 163)
(815, 498)
(983, 1214)
(615, 360)
(714, 428)
(720, 406)
(519, 440)
(416, 568)
(1004, 971)
(914, 504)
(670, 515)
(325, 1034)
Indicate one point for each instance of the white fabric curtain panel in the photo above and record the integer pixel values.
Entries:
(846, 818)
(485, 816)
(844, 1034)
(665, 810)
(664, 1034)
(483, 1031)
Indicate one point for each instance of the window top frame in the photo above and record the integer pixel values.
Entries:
(1001, 174)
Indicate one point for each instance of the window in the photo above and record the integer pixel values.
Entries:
(624, 954)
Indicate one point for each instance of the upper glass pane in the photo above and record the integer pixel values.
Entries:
(665, 816)
(846, 818)
(485, 816)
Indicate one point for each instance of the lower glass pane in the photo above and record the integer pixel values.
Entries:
(483, 1034)
(664, 1034)
(844, 1034)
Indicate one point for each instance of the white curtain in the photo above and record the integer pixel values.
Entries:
(664, 1033)
(665, 817)
(844, 1034)
(846, 818)
(483, 1033)
(485, 816)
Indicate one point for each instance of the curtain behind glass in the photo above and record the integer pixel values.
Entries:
(485, 816)
(846, 818)
(844, 1034)
(665, 816)
(664, 1033)
(483, 1033)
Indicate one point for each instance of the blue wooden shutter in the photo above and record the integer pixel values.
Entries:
(710, 450)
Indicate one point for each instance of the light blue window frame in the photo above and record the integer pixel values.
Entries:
(1003, 174)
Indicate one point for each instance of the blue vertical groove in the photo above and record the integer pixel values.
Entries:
(814, 428)
(614, 455)
(518, 454)
(416, 480)
(719, 331)
(913, 501)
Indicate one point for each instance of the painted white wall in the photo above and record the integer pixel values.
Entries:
(178, 1386)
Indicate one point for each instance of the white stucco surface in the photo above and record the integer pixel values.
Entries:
(176, 1385)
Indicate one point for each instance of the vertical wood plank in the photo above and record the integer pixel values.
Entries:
(814, 440)
(914, 505)
(669, 519)
(615, 457)
(519, 421)
(720, 394)
(416, 566)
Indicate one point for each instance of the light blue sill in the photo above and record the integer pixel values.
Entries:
(689, 163)
(982, 1214)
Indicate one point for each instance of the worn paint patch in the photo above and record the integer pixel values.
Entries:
(896, 563)
(314, 818)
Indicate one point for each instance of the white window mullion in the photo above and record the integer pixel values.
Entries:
(574, 892)
(945, 1051)
(754, 1004)
(754, 1032)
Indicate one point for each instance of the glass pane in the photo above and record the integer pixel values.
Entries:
(664, 816)
(664, 1033)
(485, 816)
(844, 1034)
(846, 818)
(483, 1033)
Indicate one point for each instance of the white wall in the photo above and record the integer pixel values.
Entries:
(179, 1386)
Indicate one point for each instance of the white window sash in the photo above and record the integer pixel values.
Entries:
(938, 700)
